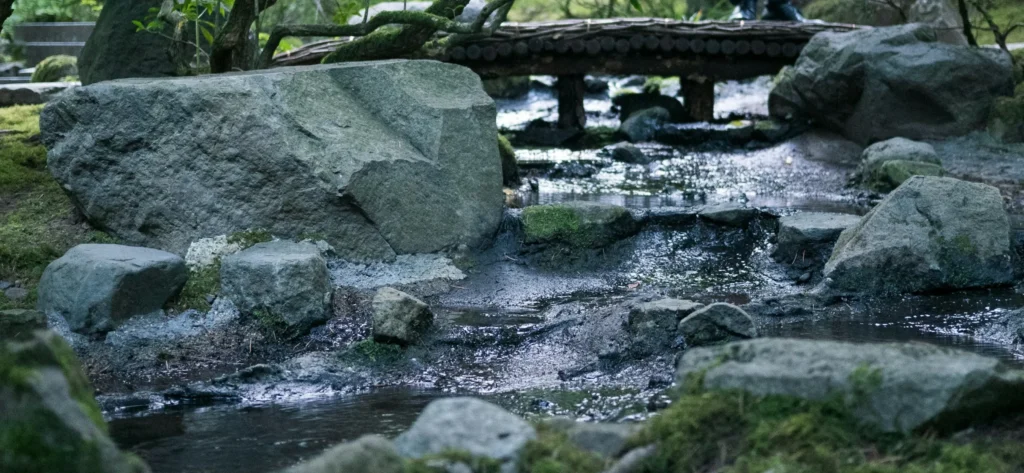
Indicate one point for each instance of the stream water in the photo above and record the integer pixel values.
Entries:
(692, 263)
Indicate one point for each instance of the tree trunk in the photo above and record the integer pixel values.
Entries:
(393, 42)
(6, 8)
(231, 48)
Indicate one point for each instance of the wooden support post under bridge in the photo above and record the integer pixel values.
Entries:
(698, 97)
(571, 89)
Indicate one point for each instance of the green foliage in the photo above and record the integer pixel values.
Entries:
(735, 432)
(287, 44)
(552, 452)
(54, 10)
(509, 164)
(55, 68)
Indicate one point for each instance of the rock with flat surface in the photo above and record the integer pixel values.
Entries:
(879, 83)
(31, 93)
(285, 284)
(729, 214)
(578, 223)
(398, 317)
(895, 386)
(931, 233)
(98, 287)
(467, 425)
(806, 238)
(368, 454)
(410, 167)
(717, 323)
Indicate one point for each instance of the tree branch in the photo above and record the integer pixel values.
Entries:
(229, 48)
(6, 9)
(427, 22)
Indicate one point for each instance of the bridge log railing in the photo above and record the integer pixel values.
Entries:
(700, 54)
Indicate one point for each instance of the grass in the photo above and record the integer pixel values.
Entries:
(37, 220)
(202, 283)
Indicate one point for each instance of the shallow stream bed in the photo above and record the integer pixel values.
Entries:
(515, 330)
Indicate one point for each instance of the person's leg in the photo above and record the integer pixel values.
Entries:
(781, 10)
(745, 10)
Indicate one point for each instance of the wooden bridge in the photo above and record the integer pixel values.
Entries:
(698, 53)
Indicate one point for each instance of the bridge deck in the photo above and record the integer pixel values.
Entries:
(727, 50)
(699, 53)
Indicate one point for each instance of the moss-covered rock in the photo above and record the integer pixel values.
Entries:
(49, 421)
(893, 173)
(17, 324)
(887, 164)
(578, 224)
(55, 69)
(1006, 122)
(509, 164)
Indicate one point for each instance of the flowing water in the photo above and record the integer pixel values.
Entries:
(506, 299)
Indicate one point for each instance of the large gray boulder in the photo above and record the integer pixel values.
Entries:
(368, 454)
(879, 83)
(285, 284)
(398, 317)
(410, 166)
(717, 323)
(49, 420)
(806, 239)
(644, 124)
(115, 50)
(931, 233)
(467, 425)
(96, 288)
(896, 387)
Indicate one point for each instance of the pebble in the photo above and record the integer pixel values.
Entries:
(16, 293)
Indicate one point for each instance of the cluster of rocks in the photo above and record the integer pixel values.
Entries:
(655, 326)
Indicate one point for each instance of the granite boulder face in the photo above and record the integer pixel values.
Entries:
(377, 158)
(879, 83)
(894, 386)
(98, 287)
(931, 233)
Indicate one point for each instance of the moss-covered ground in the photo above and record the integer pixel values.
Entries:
(38, 223)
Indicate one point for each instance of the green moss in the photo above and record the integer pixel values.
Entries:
(509, 163)
(653, 85)
(551, 222)
(598, 137)
(377, 352)
(552, 452)
(734, 432)
(1006, 120)
(272, 324)
(22, 157)
(54, 68)
(202, 283)
(249, 238)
